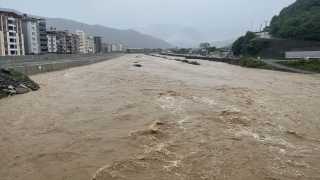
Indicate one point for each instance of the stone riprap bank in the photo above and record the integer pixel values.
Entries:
(29, 65)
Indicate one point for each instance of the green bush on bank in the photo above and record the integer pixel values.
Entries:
(250, 62)
(21, 76)
(309, 65)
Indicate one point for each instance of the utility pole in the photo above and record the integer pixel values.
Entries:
(260, 29)
(265, 29)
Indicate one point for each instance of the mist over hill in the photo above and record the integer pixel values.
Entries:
(190, 36)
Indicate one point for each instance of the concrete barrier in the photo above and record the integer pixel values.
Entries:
(72, 64)
(36, 69)
(21, 69)
(59, 66)
(86, 62)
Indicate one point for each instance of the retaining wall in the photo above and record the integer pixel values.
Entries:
(277, 48)
(54, 66)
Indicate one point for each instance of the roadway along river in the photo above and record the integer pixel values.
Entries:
(164, 120)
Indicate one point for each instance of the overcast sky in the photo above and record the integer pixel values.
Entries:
(125, 14)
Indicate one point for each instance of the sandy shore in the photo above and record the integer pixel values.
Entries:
(164, 120)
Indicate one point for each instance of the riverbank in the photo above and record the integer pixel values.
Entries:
(13, 82)
(248, 63)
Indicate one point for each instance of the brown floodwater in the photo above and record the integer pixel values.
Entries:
(164, 120)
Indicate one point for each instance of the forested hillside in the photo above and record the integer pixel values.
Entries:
(299, 20)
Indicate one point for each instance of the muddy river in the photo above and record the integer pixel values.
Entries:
(164, 120)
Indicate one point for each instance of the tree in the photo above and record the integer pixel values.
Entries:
(204, 45)
(237, 46)
(241, 45)
(212, 49)
(299, 20)
(255, 45)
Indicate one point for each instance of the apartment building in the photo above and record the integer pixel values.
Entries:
(62, 41)
(114, 48)
(11, 35)
(35, 36)
(120, 47)
(31, 35)
(75, 43)
(90, 44)
(43, 36)
(97, 44)
(52, 41)
(117, 48)
(104, 47)
(82, 41)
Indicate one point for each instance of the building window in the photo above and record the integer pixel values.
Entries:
(33, 39)
(12, 34)
(32, 28)
(33, 33)
(34, 44)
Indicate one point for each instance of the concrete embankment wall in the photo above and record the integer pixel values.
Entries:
(54, 66)
(277, 48)
(44, 57)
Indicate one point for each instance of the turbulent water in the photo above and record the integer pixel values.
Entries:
(164, 120)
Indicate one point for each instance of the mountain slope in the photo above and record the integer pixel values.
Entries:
(110, 35)
(299, 20)
(129, 37)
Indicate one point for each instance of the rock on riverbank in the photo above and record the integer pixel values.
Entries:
(12, 83)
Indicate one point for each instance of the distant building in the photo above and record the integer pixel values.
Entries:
(74, 42)
(90, 44)
(104, 47)
(52, 41)
(263, 34)
(135, 50)
(82, 41)
(62, 42)
(117, 48)
(109, 48)
(11, 35)
(97, 44)
(120, 47)
(43, 36)
(35, 35)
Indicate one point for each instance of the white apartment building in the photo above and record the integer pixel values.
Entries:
(90, 44)
(11, 36)
(109, 48)
(82, 40)
(31, 36)
(117, 48)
